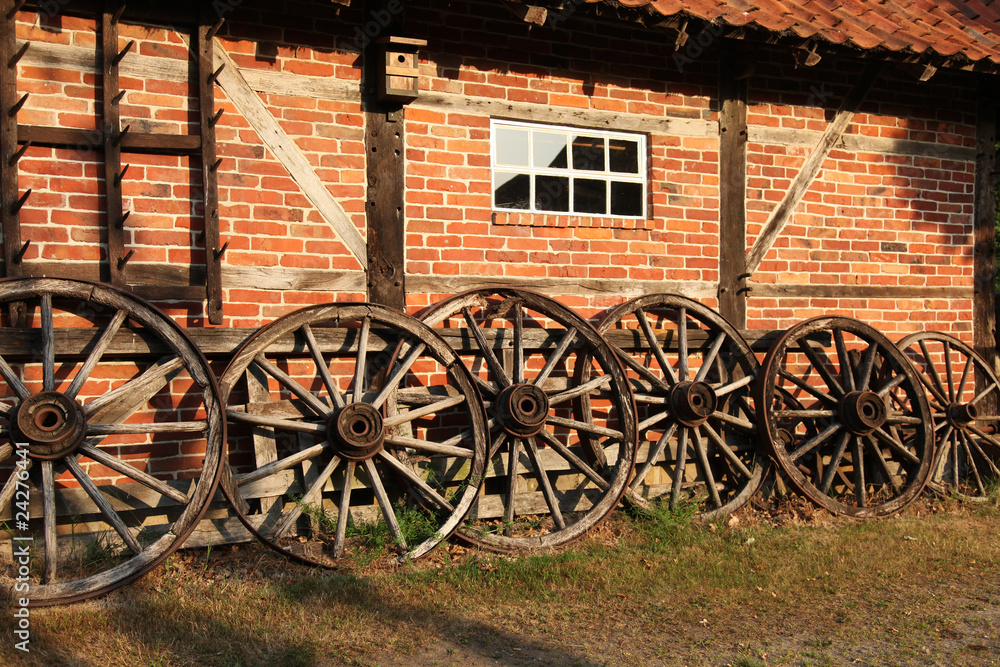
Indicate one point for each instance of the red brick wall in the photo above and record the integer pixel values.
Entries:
(871, 217)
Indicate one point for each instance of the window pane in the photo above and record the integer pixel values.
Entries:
(590, 196)
(588, 153)
(624, 156)
(511, 146)
(626, 199)
(550, 150)
(552, 193)
(512, 190)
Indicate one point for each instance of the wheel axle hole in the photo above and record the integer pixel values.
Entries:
(359, 427)
(527, 405)
(48, 419)
(868, 411)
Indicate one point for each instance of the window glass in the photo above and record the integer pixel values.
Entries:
(554, 169)
(623, 156)
(588, 153)
(549, 150)
(511, 146)
(511, 190)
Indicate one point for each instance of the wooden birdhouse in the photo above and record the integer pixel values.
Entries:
(399, 79)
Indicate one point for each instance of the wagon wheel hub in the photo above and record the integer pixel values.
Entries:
(962, 414)
(521, 410)
(52, 424)
(863, 412)
(356, 432)
(692, 403)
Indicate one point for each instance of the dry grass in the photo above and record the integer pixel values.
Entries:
(790, 586)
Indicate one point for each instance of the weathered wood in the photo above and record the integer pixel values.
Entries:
(732, 191)
(264, 446)
(209, 169)
(782, 213)
(9, 194)
(385, 203)
(854, 143)
(841, 291)
(49, 519)
(288, 154)
(111, 128)
(983, 230)
(675, 122)
(93, 140)
(426, 284)
(527, 13)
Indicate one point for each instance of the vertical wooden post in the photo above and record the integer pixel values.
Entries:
(209, 166)
(984, 253)
(9, 195)
(112, 148)
(732, 191)
(384, 204)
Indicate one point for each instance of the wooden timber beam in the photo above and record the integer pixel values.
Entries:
(984, 222)
(732, 190)
(209, 166)
(111, 56)
(782, 213)
(527, 13)
(10, 197)
(385, 202)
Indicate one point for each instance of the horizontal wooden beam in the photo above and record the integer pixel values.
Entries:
(807, 291)
(93, 140)
(861, 143)
(695, 289)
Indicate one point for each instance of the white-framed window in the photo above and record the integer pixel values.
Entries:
(553, 169)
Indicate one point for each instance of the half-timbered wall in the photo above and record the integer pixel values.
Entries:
(883, 232)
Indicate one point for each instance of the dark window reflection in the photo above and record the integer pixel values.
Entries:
(626, 199)
(588, 153)
(623, 156)
(590, 196)
(552, 193)
(512, 190)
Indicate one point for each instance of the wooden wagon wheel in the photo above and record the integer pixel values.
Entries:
(859, 440)
(552, 474)
(691, 373)
(355, 421)
(121, 456)
(964, 396)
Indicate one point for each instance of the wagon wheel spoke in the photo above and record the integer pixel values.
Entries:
(11, 378)
(971, 462)
(496, 368)
(634, 365)
(394, 382)
(110, 515)
(49, 518)
(883, 465)
(290, 425)
(706, 469)
(654, 345)
(321, 366)
(48, 344)
(95, 355)
(866, 366)
(147, 383)
(512, 478)
(388, 513)
(654, 454)
(838, 455)
(556, 357)
(710, 359)
(821, 367)
(292, 385)
(344, 513)
(574, 460)
(989, 461)
(860, 490)
(960, 389)
(934, 376)
(543, 479)
(805, 386)
(414, 479)
(843, 359)
(362, 360)
(581, 390)
(814, 442)
(310, 497)
(678, 479)
(726, 451)
(132, 472)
